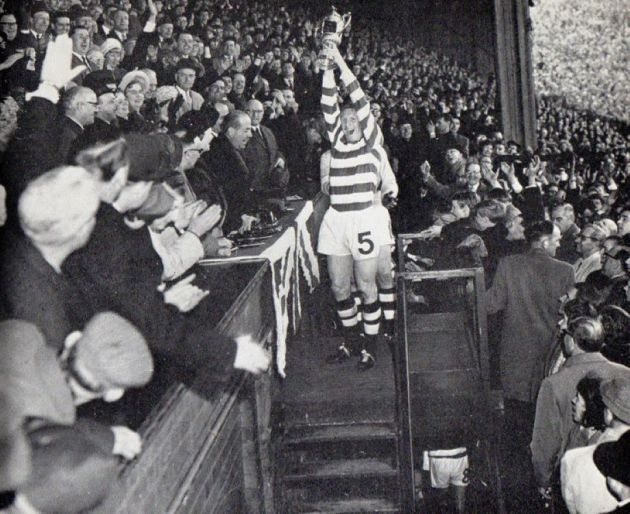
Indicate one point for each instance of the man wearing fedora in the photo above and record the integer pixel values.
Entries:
(584, 487)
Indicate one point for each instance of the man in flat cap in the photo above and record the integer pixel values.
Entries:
(583, 486)
(104, 360)
(70, 473)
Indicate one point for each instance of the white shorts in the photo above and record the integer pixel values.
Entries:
(357, 233)
(447, 467)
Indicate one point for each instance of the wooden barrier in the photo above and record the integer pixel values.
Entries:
(207, 445)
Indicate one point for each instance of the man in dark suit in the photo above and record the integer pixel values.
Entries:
(105, 127)
(225, 161)
(81, 40)
(564, 218)
(441, 140)
(37, 36)
(291, 136)
(238, 94)
(264, 161)
(120, 19)
(287, 79)
(79, 108)
(527, 289)
(462, 141)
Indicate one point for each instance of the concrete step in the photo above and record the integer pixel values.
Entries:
(348, 506)
(308, 434)
(341, 469)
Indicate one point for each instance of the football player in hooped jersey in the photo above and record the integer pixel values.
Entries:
(355, 234)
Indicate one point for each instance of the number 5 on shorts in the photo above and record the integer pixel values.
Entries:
(364, 239)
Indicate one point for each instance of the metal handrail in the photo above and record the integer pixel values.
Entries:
(402, 371)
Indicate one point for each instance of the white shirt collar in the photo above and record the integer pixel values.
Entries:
(185, 94)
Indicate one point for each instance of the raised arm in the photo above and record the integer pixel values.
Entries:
(371, 131)
(330, 105)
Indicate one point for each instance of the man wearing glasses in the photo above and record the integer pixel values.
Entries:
(588, 245)
(79, 108)
(9, 26)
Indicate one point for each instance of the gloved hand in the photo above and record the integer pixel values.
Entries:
(56, 69)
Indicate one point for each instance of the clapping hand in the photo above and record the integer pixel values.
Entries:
(476, 244)
(489, 174)
(534, 167)
(508, 170)
(184, 295)
(205, 221)
(184, 213)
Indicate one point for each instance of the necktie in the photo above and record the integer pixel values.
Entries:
(86, 63)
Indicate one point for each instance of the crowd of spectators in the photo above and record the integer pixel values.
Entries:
(588, 65)
(137, 135)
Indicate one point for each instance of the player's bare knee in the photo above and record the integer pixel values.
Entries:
(341, 289)
(368, 290)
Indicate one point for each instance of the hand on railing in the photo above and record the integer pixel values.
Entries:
(250, 356)
(127, 443)
(430, 233)
(184, 295)
(247, 222)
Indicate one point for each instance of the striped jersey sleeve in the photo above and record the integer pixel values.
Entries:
(330, 106)
(371, 131)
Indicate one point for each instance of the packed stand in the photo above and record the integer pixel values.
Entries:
(588, 65)
(134, 139)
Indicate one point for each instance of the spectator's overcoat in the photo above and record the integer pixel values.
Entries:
(554, 418)
(527, 288)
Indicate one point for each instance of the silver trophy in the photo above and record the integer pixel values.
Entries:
(332, 29)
